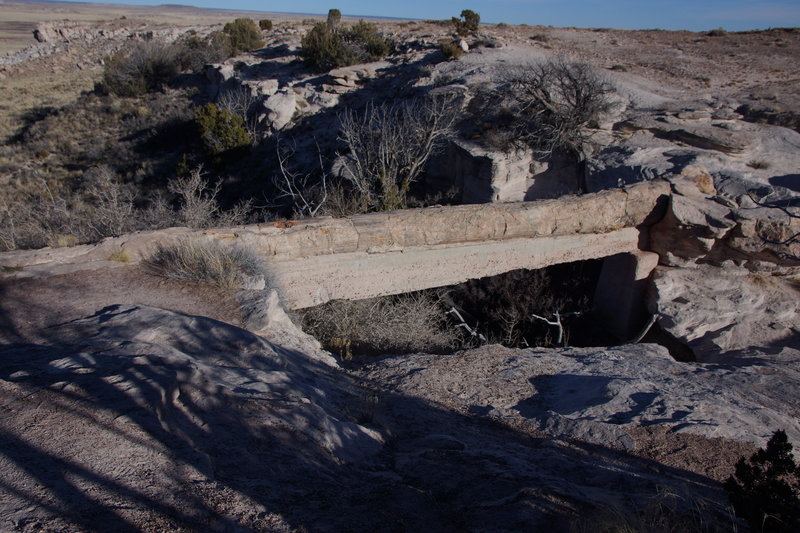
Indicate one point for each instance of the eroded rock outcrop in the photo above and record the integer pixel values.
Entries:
(602, 395)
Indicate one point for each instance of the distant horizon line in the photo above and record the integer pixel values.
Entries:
(234, 10)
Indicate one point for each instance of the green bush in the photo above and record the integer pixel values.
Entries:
(364, 38)
(765, 491)
(468, 24)
(244, 35)
(450, 49)
(145, 67)
(265, 24)
(324, 48)
(221, 130)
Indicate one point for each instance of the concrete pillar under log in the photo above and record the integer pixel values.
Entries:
(619, 296)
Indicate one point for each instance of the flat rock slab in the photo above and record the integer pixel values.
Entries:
(603, 395)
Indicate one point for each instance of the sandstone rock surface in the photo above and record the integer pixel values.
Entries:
(601, 395)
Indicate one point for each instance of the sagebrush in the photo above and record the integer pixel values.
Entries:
(406, 323)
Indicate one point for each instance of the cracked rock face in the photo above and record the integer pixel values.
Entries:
(601, 394)
(725, 310)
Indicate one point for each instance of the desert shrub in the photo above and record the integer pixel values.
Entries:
(467, 24)
(366, 41)
(758, 164)
(406, 323)
(325, 48)
(665, 512)
(450, 49)
(765, 490)
(265, 24)
(717, 32)
(145, 67)
(244, 35)
(390, 144)
(549, 106)
(221, 130)
(195, 52)
(198, 206)
(100, 206)
(240, 101)
(207, 262)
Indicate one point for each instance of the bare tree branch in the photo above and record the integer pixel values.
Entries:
(390, 144)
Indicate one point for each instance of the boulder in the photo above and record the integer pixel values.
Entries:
(280, 108)
(703, 227)
(716, 310)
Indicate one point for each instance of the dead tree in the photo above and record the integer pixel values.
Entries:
(306, 193)
(557, 323)
(554, 103)
(390, 144)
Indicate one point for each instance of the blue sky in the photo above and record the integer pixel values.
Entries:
(694, 15)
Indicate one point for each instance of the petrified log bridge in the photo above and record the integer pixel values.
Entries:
(313, 261)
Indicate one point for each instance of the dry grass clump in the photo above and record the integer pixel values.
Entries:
(407, 323)
(104, 207)
(665, 512)
(207, 262)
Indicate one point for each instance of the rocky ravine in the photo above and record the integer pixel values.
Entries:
(124, 409)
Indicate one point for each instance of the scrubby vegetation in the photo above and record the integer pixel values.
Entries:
(265, 24)
(467, 24)
(394, 324)
(327, 45)
(104, 207)
(222, 131)
(146, 66)
(244, 35)
(450, 49)
(548, 106)
(765, 490)
(207, 262)
(500, 309)
(389, 145)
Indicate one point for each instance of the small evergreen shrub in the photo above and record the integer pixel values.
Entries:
(368, 43)
(324, 48)
(467, 24)
(450, 49)
(765, 490)
(221, 130)
(265, 24)
(244, 35)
